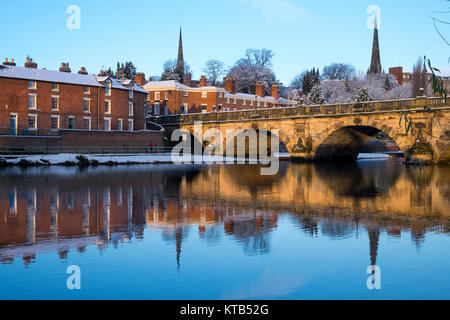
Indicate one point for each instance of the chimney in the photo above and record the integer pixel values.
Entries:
(83, 71)
(140, 79)
(30, 64)
(9, 63)
(398, 73)
(123, 77)
(230, 84)
(276, 91)
(203, 81)
(150, 79)
(260, 90)
(65, 68)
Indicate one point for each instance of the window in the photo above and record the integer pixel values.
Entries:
(108, 88)
(32, 121)
(204, 94)
(258, 103)
(71, 123)
(87, 90)
(157, 96)
(186, 94)
(244, 102)
(55, 87)
(130, 125)
(220, 107)
(55, 122)
(87, 123)
(185, 108)
(130, 94)
(234, 101)
(130, 109)
(228, 100)
(220, 94)
(251, 102)
(149, 111)
(55, 103)
(32, 84)
(157, 109)
(166, 96)
(120, 125)
(32, 102)
(107, 124)
(166, 109)
(204, 108)
(87, 105)
(107, 106)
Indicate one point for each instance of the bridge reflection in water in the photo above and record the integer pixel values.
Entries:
(66, 209)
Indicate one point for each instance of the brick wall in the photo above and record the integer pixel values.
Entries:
(14, 99)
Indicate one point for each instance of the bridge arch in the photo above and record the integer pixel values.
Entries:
(346, 143)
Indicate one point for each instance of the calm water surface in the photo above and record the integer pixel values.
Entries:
(225, 232)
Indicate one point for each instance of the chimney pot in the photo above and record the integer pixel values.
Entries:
(30, 64)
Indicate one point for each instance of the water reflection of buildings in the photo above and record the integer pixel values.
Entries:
(71, 210)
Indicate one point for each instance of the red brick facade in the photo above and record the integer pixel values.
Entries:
(71, 105)
(170, 97)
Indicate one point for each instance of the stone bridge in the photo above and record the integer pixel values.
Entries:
(337, 132)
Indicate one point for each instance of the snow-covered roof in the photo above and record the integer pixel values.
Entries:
(48, 76)
(165, 84)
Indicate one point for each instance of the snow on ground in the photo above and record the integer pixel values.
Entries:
(364, 156)
(116, 159)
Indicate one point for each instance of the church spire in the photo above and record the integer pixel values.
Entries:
(375, 65)
(180, 61)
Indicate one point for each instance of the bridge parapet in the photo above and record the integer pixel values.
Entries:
(305, 111)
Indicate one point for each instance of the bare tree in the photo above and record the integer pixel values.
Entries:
(214, 69)
(419, 77)
(254, 67)
(338, 71)
(171, 65)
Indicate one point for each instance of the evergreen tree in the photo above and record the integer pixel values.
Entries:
(363, 95)
(316, 96)
(310, 79)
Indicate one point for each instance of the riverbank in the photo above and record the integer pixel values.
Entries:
(68, 160)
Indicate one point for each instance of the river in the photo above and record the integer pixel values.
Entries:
(226, 232)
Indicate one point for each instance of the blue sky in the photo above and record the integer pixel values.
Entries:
(303, 34)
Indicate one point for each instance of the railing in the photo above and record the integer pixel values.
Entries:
(43, 150)
(29, 132)
(314, 110)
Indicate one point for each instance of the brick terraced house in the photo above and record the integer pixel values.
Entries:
(98, 110)
(172, 97)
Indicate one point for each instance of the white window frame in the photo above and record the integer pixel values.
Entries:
(35, 101)
(131, 121)
(58, 126)
(89, 105)
(157, 109)
(90, 123)
(110, 106)
(57, 103)
(108, 88)
(110, 124)
(166, 96)
(205, 109)
(186, 94)
(57, 86)
(88, 90)
(204, 94)
(130, 109)
(130, 93)
(32, 84)
(35, 116)
(157, 96)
